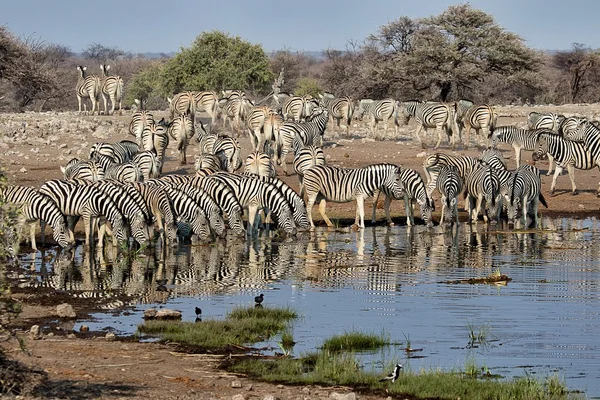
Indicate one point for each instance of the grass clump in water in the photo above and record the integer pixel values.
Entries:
(355, 341)
(241, 326)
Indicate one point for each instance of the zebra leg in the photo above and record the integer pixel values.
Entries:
(438, 130)
(360, 209)
(386, 206)
(408, 210)
(252, 211)
(518, 156)
(534, 209)
(455, 209)
(310, 201)
(112, 102)
(571, 172)
(32, 235)
(374, 211)
(105, 104)
(322, 205)
(551, 165)
(443, 200)
(419, 128)
(79, 103)
(524, 211)
(557, 172)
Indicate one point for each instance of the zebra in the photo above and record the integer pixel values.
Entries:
(481, 118)
(431, 115)
(260, 164)
(112, 86)
(132, 208)
(295, 108)
(124, 172)
(226, 198)
(255, 194)
(519, 139)
(208, 101)
(570, 129)
(35, 206)
(139, 120)
(435, 161)
(159, 205)
(378, 110)
(482, 185)
(182, 103)
(295, 201)
(88, 86)
(551, 121)
(526, 194)
(566, 154)
(119, 152)
(411, 187)
(295, 135)
(341, 185)
(186, 210)
(256, 126)
(450, 185)
(181, 129)
(590, 134)
(341, 108)
(229, 151)
(494, 158)
(236, 108)
(75, 199)
(210, 161)
(82, 169)
(305, 158)
(155, 138)
(147, 163)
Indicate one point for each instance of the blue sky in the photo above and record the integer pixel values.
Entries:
(165, 26)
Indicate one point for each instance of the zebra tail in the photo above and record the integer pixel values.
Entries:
(512, 191)
(494, 189)
(543, 200)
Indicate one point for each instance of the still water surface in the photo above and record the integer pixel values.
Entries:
(397, 280)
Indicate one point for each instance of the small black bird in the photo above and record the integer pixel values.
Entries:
(259, 299)
(198, 311)
(394, 375)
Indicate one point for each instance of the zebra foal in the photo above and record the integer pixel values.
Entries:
(526, 195)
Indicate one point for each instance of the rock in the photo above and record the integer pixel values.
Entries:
(342, 396)
(270, 397)
(238, 397)
(110, 337)
(236, 384)
(84, 328)
(165, 313)
(306, 390)
(150, 313)
(35, 332)
(65, 310)
(71, 336)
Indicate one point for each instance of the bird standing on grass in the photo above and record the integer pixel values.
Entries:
(198, 311)
(394, 375)
(259, 299)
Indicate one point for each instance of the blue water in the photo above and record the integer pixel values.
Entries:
(545, 322)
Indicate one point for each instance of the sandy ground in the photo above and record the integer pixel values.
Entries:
(81, 366)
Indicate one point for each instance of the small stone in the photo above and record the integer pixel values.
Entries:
(168, 314)
(84, 328)
(343, 396)
(249, 388)
(35, 332)
(65, 310)
(110, 337)
(23, 170)
(238, 397)
(270, 397)
(279, 386)
(51, 334)
(150, 313)
(71, 336)
(306, 390)
(236, 384)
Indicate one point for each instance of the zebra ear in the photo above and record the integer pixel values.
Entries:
(62, 169)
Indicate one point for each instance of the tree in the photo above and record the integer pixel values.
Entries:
(146, 86)
(217, 61)
(576, 65)
(100, 53)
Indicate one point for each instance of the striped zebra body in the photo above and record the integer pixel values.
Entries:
(526, 194)
(134, 212)
(236, 110)
(341, 109)
(590, 132)
(434, 162)
(82, 169)
(566, 154)
(206, 142)
(450, 185)
(155, 138)
(226, 198)
(186, 210)
(431, 115)
(208, 101)
(259, 163)
(255, 122)
(80, 200)
(182, 103)
(158, 203)
(519, 139)
(295, 135)
(139, 120)
(462, 106)
(88, 86)
(112, 86)
(255, 194)
(181, 129)
(494, 158)
(37, 207)
(229, 151)
(481, 118)
(124, 172)
(294, 109)
(342, 185)
(378, 110)
(550, 121)
(305, 158)
(570, 129)
(273, 124)
(119, 152)
(147, 163)
(210, 161)
(483, 189)
(412, 188)
(295, 201)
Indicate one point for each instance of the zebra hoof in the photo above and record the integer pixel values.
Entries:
(574, 192)
(393, 224)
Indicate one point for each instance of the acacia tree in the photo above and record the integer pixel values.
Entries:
(217, 61)
(576, 65)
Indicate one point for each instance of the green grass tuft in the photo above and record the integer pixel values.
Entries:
(355, 341)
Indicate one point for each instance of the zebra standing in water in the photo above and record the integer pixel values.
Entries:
(37, 207)
(159, 205)
(434, 162)
(88, 86)
(378, 110)
(566, 154)
(295, 201)
(112, 86)
(482, 118)
(182, 130)
(79, 200)
(208, 101)
(450, 185)
(526, 194)
(305, 158)
(431, 115)
(413, 188)
(225, 197)
(342, 185)
(482, 184)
